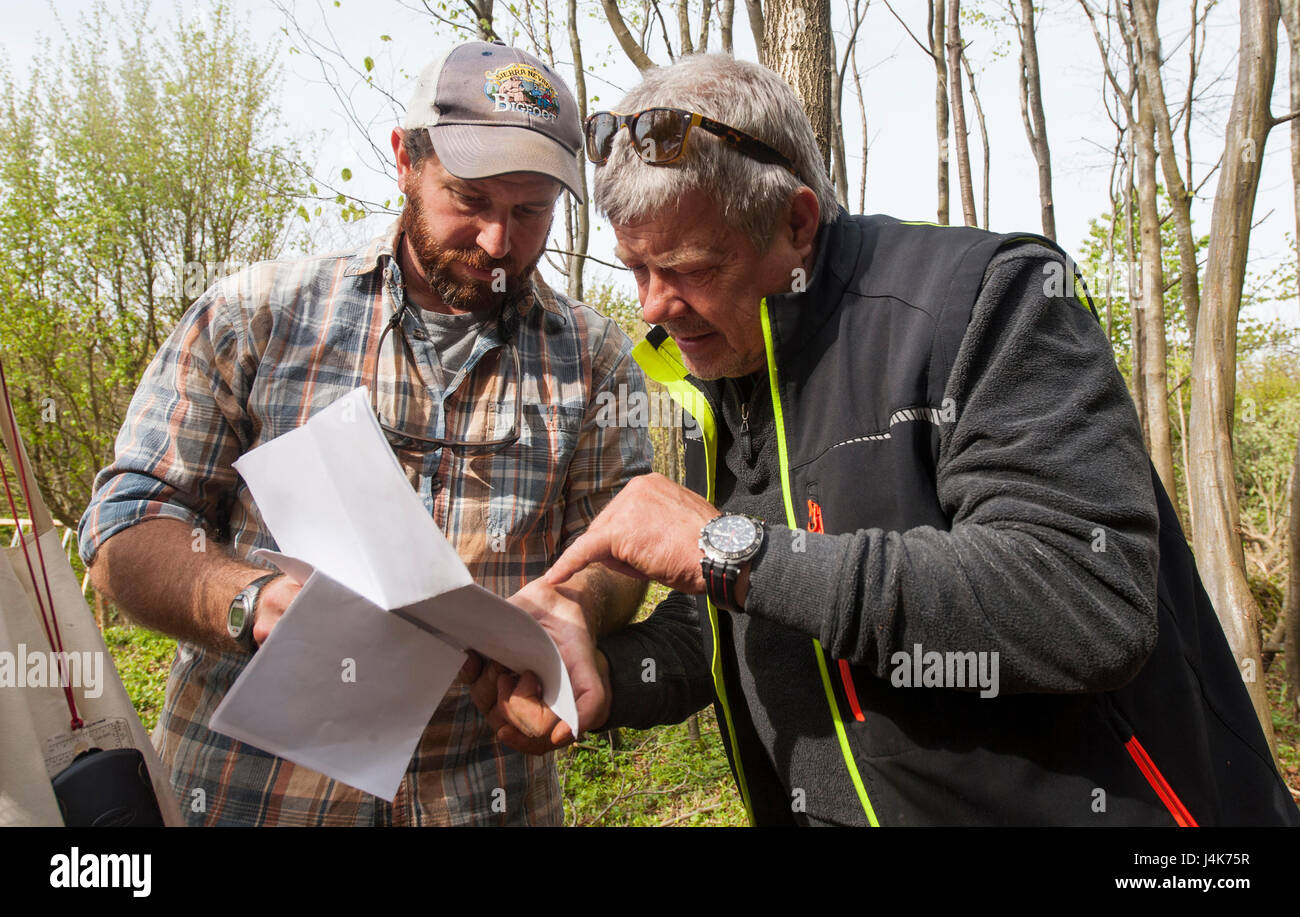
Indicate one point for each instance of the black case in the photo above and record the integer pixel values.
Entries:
(107, 789)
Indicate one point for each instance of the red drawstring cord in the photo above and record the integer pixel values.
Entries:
(56, 638)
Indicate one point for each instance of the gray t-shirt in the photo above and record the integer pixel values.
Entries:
(453, 337)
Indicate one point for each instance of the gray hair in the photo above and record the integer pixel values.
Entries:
(751, 195)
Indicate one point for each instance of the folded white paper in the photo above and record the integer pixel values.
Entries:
(353, 671)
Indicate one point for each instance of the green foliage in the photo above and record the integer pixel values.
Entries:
(992, 27)
(143, 659)
(1264, 441)
(626, 312)
(137, 164)
(658, 777)
(1110, 280)
(1260, 342)
(608, 300)
(1286, 723)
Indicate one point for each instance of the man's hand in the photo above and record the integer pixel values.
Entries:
(271, 604)
(651, 530)
(512, 703)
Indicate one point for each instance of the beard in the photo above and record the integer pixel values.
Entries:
(435, 262)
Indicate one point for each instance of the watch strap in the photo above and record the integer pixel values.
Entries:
(720, 582)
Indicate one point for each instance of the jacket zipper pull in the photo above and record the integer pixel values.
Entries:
(746, 443)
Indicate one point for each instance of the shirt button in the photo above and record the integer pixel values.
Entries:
(420, 334)
(435, 484)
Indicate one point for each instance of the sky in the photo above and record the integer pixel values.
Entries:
(898, 85)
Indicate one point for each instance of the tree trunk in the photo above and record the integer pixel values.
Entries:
(1031, 109)
(483, 19)
(984, 131)
(862, 120)
(582, 211)
(1216, 533)
(936, 31)
(1180, 199)
(959, 132)
(1291, 609)
(839, 165)
(755, 11)
(799, 48)
(1150, 307)
(1133, 277)
(1110, 242)
(726, 15)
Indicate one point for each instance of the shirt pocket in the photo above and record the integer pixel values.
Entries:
(526, 479)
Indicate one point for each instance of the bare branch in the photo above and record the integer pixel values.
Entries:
(923, 47)
(663, 27)
(561, 251)
(633, 51)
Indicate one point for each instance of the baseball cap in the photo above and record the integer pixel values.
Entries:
(492, 109)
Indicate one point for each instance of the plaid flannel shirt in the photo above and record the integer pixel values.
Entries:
(255, 357)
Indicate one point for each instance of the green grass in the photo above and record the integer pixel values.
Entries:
(143, 659)
(658, 777)
(1286, 724)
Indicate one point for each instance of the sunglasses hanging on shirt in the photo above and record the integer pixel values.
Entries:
(405, 441)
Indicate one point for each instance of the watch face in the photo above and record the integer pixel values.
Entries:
(235, 621)
(732, 534)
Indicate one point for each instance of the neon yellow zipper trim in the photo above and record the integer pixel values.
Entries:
(793, 522)
(664, 365)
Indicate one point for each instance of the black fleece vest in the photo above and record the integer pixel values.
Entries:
(949, 756)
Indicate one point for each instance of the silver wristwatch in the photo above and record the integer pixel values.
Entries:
(243, 612)
(728, 542)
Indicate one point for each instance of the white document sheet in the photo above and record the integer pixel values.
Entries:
(355, 668)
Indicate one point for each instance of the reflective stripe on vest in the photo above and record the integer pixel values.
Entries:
(849, 761)
(663, 364)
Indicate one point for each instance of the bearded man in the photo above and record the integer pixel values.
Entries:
(486, 383)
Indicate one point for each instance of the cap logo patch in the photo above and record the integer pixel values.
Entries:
(521, 88)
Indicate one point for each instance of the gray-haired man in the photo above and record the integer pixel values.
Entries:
(915, 565)
(487, 384)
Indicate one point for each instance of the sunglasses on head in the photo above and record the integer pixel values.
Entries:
(659, 135)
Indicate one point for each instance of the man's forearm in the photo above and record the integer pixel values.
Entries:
(670, 641)
(610, 600)
(154, 573)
